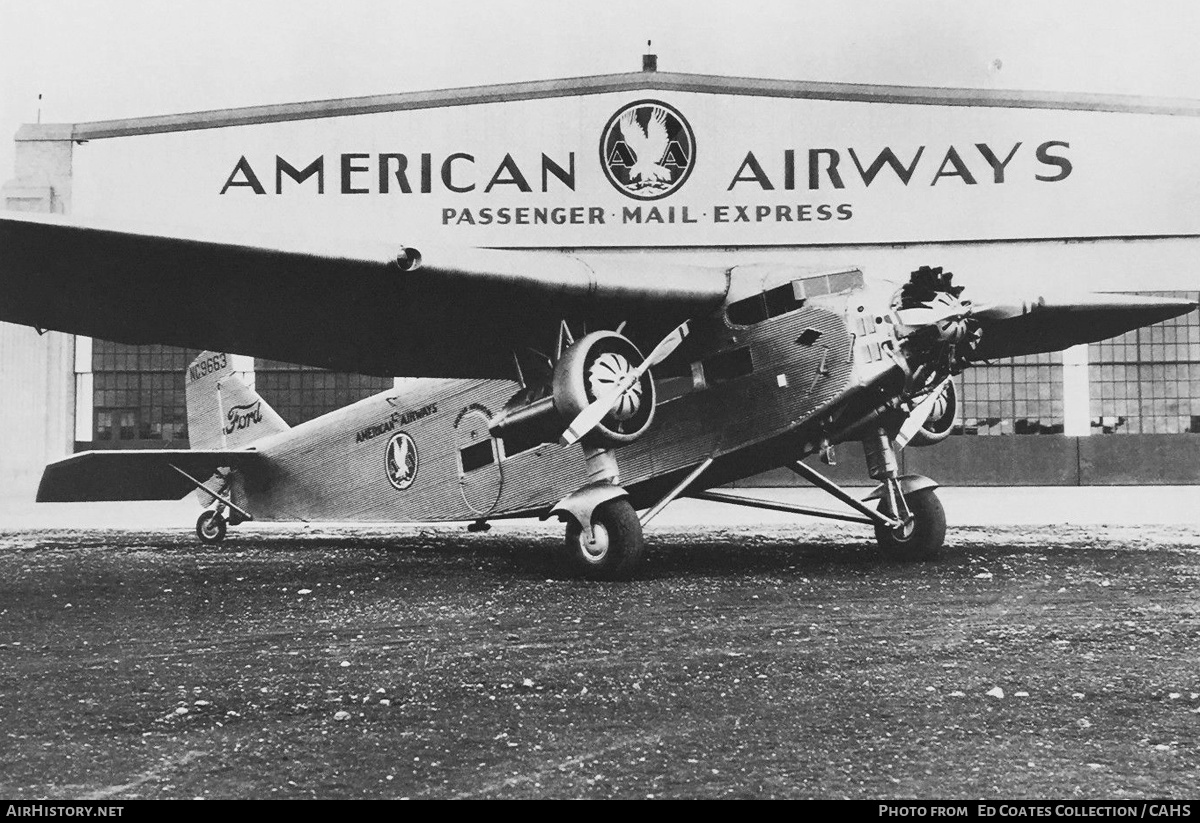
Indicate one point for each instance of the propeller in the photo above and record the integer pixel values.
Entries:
(920, 414)
(950, 309)
(591, 416)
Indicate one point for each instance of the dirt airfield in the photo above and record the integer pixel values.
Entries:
(775, 659)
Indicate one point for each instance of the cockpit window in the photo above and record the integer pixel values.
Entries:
(785, 298)
(747, 312)
(790, 296)
(845, 281)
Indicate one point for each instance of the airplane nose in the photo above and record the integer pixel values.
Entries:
(1053, 324)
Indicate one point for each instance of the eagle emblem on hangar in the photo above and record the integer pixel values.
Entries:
(401, 460)
(647, 150)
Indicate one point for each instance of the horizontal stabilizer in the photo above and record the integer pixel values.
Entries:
(137, 474)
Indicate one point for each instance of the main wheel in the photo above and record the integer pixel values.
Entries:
(210, 528)
(616, 548)
(920, 539)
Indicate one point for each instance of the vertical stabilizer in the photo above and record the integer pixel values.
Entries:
(223, 412)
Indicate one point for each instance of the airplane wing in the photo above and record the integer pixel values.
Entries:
(366, 307)
(1054, 324)
(136, 474)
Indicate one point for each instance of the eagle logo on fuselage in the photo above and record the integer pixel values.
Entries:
(647, 150)
(401, 460)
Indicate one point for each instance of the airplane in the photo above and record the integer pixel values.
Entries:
(533, 396)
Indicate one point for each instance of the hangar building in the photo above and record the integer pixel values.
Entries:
(1009, 190)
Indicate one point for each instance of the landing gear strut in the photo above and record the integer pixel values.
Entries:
(212, 523)
(604, 538)
(918, 529)
(909, 522)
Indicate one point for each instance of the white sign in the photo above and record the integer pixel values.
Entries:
(665, 169)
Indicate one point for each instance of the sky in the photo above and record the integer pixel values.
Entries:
(93, 60)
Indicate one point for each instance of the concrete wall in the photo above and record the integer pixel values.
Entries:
(38, 399)
(37, 395)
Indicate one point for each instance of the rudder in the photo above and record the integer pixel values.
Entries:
(223, 412)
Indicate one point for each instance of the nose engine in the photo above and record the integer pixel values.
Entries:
(932, 311)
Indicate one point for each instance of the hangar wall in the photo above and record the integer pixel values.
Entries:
(37, 371)
(1018, 191)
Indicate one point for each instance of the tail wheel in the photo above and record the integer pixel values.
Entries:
(210, 528)
(923, 537)
(616, 547)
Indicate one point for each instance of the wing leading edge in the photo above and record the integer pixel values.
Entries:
(356, 306)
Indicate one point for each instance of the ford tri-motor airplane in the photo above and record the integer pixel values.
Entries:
(584, 387)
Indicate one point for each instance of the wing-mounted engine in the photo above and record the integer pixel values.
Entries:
(598, 366)
(600, 394)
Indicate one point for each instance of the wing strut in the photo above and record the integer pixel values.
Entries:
(870, 518)
(778, 506)
(822, 482)
(675, 492)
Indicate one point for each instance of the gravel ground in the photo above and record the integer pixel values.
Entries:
(764, 661)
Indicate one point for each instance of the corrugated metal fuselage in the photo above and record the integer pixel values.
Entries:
(778, 376)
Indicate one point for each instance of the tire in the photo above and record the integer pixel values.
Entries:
(210, 528)
(618, 547)
(924, 539)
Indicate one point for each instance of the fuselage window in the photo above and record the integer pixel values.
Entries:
(477, 456)
(728, 365)
(519, 440)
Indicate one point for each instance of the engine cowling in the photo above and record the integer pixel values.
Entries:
(941, 419)
(590, 369)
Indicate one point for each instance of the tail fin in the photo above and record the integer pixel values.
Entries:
(223, 412)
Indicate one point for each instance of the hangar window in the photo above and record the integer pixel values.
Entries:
(1147, 381)
(115, 425)
(301, 393)
(138, 395)
(1018, 395)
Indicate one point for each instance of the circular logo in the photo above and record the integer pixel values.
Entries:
(401, 460)
(647, 150)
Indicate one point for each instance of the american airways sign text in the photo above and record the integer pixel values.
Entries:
(825, 178)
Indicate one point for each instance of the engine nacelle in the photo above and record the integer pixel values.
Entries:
(940, 422)
(590, 369)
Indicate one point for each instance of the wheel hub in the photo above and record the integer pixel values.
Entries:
(594, 550)
(210, 527)
(906, 528)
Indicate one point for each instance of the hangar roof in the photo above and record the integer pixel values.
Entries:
(606, 83)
